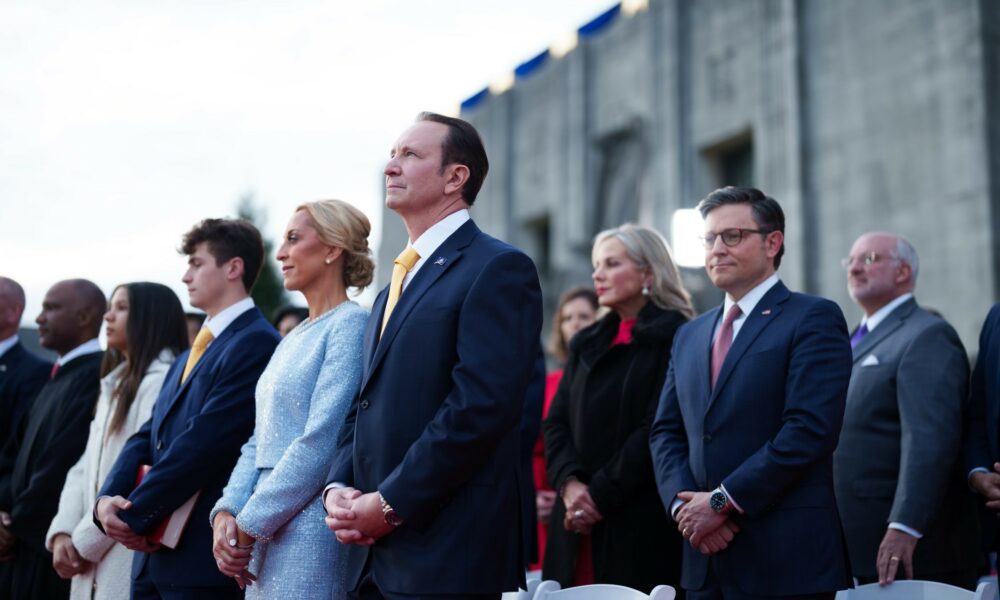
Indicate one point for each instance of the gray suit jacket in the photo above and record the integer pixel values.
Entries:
(899, 448)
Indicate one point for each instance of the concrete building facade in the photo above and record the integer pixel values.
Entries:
(855, 115)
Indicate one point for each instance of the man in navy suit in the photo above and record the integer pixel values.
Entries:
(427, 487)
(204, 413)
(981, 443)
(22, 374)
(749, 418)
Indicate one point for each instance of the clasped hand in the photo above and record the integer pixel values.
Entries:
(118, 530)
(581, 510)
(355, 518)
(707, 531)
(66, 560)
(232, 548)
(988, 486)
(7, 539)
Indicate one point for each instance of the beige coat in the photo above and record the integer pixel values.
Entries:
(110, 577)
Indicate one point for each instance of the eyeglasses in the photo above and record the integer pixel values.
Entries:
(868, 258)
(730, 237)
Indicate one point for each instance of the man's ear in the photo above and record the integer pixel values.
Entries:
(774, 241)
(235, 269)
(456, 176)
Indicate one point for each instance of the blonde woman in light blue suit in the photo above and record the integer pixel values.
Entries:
(269, 532)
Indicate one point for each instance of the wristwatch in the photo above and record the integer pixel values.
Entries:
(391, 518)
(719, 501)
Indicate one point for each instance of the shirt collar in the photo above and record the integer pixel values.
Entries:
(431, 239)
(85, 348)
(225, 318)
(7, 344)
(879, 315)
(751, 298)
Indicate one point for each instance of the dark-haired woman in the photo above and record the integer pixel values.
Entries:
(145, 331)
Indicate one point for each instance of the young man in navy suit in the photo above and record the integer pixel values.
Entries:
(749, 417)
(427, 486)
(204, 413)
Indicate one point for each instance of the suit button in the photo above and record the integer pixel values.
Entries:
(159, 444)
(364, 403)
(707, 438)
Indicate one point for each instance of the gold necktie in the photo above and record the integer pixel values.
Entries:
(197, 349)
(400, 267)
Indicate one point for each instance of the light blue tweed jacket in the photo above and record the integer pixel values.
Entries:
(302, 398)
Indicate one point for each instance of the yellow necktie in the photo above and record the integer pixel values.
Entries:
(197, 349)
(400, 267)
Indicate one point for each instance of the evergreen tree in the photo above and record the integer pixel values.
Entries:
(269, 293)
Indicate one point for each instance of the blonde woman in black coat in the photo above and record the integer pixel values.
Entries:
(610, 525)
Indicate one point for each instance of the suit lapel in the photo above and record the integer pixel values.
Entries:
(437, 264)
(216, 347)
(888, 325)
(371, 332)
(702, 342)
(765, 313)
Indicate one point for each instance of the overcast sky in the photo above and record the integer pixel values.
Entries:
(124, 123)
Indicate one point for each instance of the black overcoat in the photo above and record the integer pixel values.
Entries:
(597, 430)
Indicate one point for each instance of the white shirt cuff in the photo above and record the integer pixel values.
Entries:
(907, 530)
(332, 486)
(676, 506)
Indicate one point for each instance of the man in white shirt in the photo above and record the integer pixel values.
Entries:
(49, 439)
(903, 498)
(426, 490)
(749, 417)
(203, 415)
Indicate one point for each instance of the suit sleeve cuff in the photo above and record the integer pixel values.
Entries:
(732, 500)
(905, 529)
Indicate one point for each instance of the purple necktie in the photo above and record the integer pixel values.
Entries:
(860, 333)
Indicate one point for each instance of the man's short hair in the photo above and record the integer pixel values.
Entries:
(226, 239)
(462, 145)
(766, 211)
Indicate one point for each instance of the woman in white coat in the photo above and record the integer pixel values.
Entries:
(145, 330)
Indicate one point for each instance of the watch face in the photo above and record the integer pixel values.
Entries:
(393, 519)
(717, 501)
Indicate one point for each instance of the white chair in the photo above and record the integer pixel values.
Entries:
(550, 590)
(523, 594)
(908, 589)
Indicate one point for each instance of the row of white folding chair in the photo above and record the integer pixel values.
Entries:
(909, 589)
(550, 590)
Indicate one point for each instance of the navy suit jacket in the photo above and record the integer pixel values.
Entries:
(767, 432)
(22, 375)
(192, 441)
(982, 424)
(436, 426)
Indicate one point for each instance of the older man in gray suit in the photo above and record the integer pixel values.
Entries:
(903, 499)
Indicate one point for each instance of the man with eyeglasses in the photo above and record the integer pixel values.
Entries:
(903, 498)
(749, 417)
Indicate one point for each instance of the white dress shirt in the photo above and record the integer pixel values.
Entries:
(431, 240)
(88, 347)
(225, 317)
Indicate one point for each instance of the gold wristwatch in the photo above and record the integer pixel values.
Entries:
(391, 518)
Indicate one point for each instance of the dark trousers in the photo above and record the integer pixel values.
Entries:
(727, 590)
(369, 590)
(143, 588)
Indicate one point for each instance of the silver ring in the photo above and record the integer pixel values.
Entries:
(893, 558)
(578, 514)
